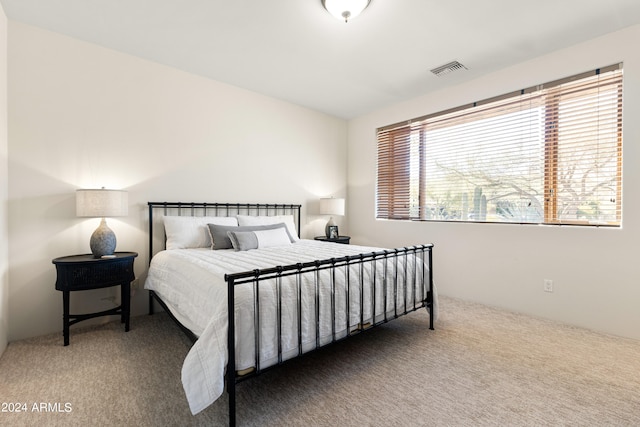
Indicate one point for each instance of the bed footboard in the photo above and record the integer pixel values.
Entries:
(377, 287)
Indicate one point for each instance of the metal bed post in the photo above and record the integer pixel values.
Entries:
(231, 352)
(430, 293)
(150, 252)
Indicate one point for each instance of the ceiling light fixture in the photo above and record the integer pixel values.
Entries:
(345, 9)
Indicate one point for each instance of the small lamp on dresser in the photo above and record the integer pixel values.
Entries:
(102, 203)
(331, 206)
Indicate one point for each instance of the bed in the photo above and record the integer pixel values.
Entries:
(251, 294)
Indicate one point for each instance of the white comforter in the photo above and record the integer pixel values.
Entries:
(191, 282)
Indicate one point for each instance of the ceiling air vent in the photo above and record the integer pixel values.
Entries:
(448, 68)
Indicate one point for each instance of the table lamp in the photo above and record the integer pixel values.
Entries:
(331, 206)
(102, 203)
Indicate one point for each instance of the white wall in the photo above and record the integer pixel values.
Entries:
(595, 274)
(4, 260)
(82, 116)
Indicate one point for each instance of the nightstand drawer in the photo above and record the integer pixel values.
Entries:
(80, 272)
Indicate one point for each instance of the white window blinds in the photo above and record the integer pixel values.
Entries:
(549, 154)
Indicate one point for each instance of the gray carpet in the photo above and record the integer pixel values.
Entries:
(480, 367)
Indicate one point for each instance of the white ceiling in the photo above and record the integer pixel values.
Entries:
(294, 50)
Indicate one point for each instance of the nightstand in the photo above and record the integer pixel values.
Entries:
(339, 239)
(84, 272)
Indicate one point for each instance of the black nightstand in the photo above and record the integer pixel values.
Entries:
(339, 239)
(83, 272)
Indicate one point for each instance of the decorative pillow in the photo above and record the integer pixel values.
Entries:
(186, 232)
(245, 240)
(264, 220)
(220, 239)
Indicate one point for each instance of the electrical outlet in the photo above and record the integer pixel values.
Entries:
(548, 285)
(134, 287)
(111, 299)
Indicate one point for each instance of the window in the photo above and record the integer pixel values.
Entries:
(551, 154)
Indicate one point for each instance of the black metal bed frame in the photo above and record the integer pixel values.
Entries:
(395, 259)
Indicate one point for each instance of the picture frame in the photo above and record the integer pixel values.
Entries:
(333, 232)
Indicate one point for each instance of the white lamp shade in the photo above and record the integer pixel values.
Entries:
(102, 203)
(331, 206)
(345, 10)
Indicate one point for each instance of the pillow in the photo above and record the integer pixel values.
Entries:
(245, 240)
(264, 220)
(220, 239)
(185, 232)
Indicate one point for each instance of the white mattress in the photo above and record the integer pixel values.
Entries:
(191, 282)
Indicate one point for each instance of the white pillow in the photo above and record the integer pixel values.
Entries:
(268, 220)
(186, 232)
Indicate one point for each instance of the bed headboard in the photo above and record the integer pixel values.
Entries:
(157, 210)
